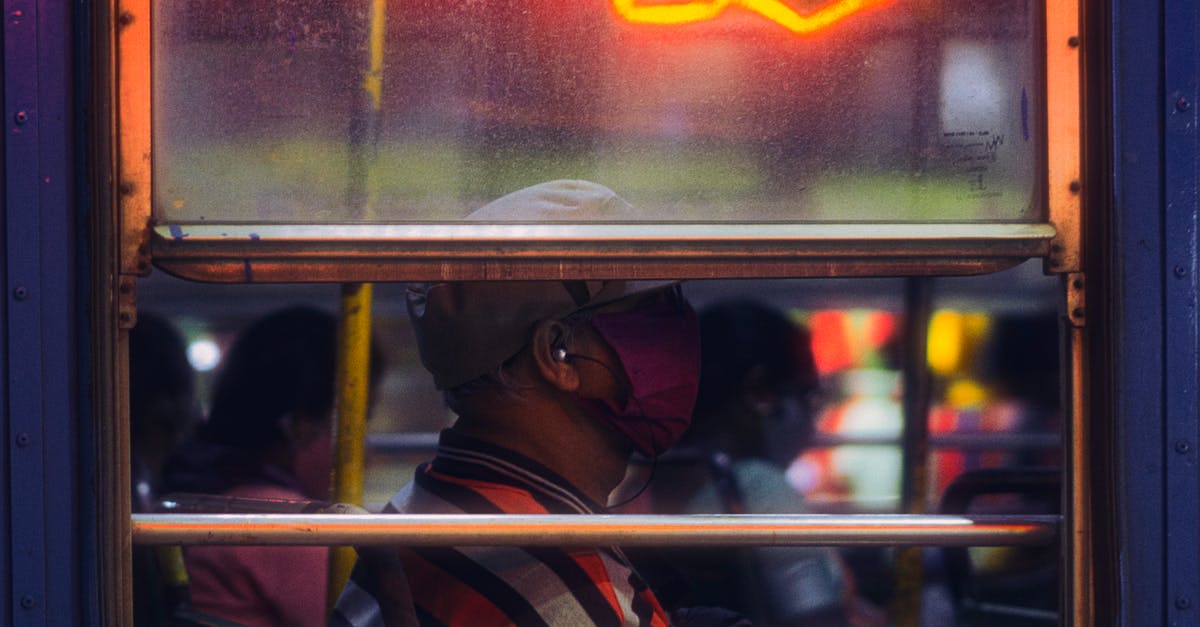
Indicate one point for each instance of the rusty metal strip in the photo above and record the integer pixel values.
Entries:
(132, 130)
(1065, 46)
(1078, 550)
(1063, 136)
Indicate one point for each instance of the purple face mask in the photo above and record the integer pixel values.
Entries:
(659, 349)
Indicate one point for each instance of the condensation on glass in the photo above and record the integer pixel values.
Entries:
(695, 111)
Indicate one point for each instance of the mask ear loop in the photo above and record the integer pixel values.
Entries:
(561, 354)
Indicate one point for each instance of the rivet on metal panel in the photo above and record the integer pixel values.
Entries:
(23, 440)
(127, 301)
(28, 602)
(125, 19)
(1182, 104)
(1073, 42)
(1182, 447)
(1076, 296)
(21, 117)
(20, 292)
(1075, 186)
(1183, 602)
(1180, 271)
(1055, 256)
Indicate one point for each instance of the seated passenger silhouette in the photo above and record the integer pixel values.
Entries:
(268, 435)
(753, 417)
(161, 406)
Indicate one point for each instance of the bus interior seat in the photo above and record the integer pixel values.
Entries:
(1004, 586)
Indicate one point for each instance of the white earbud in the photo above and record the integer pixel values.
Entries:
(559, 354)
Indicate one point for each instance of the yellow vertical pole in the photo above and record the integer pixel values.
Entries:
(353, 374)
(373, 85)
(355, 329)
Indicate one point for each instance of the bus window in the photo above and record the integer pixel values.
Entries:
(754, 139)
(723, 111)
(856, 334)
(979, 343)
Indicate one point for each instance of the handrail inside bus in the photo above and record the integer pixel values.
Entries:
(426, 443)
(594, 530)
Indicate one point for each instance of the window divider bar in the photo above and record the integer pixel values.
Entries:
(472, 252)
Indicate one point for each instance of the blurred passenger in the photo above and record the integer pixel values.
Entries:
(753, 417)
(268, 435)
(1011, 387)
(555, 384)
(1023, 366)
(1018, 372)
(161, 402)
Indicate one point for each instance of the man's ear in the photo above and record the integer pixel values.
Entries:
(556, 369)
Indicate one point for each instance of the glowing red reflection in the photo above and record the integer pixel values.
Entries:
(774, 10)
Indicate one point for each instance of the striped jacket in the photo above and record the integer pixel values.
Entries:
(472, 586)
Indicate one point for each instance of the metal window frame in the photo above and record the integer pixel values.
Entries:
(362, 252)
(281, 253)
(378, 252)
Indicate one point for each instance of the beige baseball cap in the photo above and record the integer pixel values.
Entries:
(467, 329)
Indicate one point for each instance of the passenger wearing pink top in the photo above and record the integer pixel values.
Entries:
(268, 435)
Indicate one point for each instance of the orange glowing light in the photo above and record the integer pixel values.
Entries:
(774, 10)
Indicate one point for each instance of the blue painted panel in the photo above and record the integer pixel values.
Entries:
(1182, 350)
(1137, 323)
(40, 435)
(57, 316)
(25, 437)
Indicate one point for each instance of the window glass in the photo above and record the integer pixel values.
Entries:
(828, 432)
(992, 353)
(693, 110)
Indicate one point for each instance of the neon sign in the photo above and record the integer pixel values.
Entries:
(774, 10)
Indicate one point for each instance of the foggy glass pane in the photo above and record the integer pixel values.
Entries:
(700, 110)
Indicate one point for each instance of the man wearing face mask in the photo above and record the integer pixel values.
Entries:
(555, 384)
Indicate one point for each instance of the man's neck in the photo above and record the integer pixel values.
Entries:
(568, 443)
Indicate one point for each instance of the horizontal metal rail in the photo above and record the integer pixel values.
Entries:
(954, 441)
(399, 443)
(572, 530)
(269, 253)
